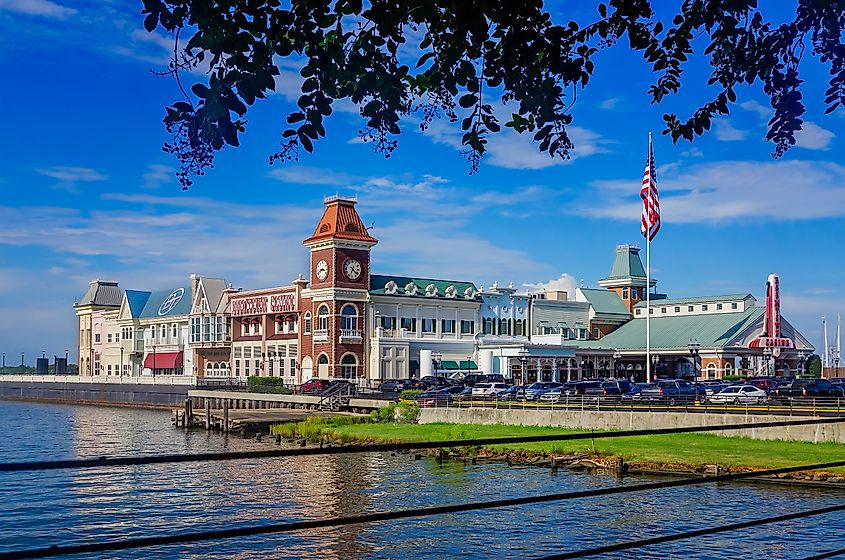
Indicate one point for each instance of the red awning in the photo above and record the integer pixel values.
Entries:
(163, 360)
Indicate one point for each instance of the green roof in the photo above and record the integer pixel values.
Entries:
(627, 263)
(711, 330)
(605, 301)
(379, 282)
(697, 299)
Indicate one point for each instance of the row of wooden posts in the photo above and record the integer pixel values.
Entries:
(188, 415)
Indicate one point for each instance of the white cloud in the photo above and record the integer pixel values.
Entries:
(692, 152)
(726, 190)
(765, 113)
(726, 132)
(44, 8)
(290, 172)
(813, 137)
(68, 177)
(564, 283)
(157, 175)
(610, 103)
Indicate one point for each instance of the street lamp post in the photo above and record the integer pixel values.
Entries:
(121, 360)
(801, 357)
(4, 360)
(654, 361)
(694, 348)
(154, 360)
(436, 358)
(22, 370)
(523, 360)
(767, 357)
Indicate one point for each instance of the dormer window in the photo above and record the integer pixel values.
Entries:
(430, 290)
(390, 288)
(450, 292)
(469, 293)
(411, 289)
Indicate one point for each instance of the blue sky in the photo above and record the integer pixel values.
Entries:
(87, 192)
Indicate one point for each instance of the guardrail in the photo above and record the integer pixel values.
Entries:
(814, 406)
(112, 379)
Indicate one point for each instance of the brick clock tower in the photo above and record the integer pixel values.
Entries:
(335, 303)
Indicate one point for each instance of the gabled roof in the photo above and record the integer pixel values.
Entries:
(711, 330)
(341, 221)
(101, 293)
(136, 300)
(627, 263)
(214, 289)
(379, 285)
(168, 303)
(605, 302)
(696, 299)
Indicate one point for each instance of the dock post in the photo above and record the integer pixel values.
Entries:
(187, 413)
(226, 416)
(207, 414)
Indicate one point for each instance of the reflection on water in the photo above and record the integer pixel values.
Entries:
(61, 507)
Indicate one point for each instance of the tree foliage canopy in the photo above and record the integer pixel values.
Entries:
(467, 54)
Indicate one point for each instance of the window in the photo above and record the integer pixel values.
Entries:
(428, 325)
(96, 337)
(162, 332)
(219, 332)
(195, 329)
(704, 307)
(733, 305)
(596, 333)
(280, 325)
(281, 362)
(388, 323)
(663, 310)
(689, 308)
(349, 366)
(711, 371)
(290, 324)
(247, 352)
(448, 326)
(519, 326)
(109, 369)
(257, 367)
(409, 324)
(108, 337)
(237, 368)
(349, 318)
(467, 327)
(582, 334)
(677, 309)
(718, 307)
(126, 369)
(488, 325)
(307, 323)
(639, 311)
(503, 326)
(651, 311)
(206, 329)
(625, 293)
(323, 318)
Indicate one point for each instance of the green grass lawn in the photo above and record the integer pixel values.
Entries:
(681, 449)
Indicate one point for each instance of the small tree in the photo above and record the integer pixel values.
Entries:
(814, 366)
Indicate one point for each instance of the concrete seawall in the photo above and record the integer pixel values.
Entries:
(624, 420)
(94, 392)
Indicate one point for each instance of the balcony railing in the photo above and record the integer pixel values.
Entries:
(321, 335)
(350, 333)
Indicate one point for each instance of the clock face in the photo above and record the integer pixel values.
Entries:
(322, 270)
(352, 269)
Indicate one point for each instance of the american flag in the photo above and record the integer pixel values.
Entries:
(651, 206)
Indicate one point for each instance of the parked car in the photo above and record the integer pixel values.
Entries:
(428, 381)
(473, 378)
(768, 384)
(671, 391)
(711, 389)
(635, 392)
(610, 390)
(314, 386)
(512, 393)
(488, 389)
(552, 396)
(533, 391)
(739, 394)
(806, 389)
(395, 385)
(438, 397)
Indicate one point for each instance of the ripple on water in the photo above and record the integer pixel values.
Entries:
(60, 507)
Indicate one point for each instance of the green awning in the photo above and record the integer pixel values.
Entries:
(449, 364)
(468, 364)
(414, 365)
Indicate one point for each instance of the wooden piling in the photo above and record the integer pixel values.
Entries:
(207, 414)
(187, 413)
(226, 416)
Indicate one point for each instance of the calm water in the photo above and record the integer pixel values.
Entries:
(61, 507)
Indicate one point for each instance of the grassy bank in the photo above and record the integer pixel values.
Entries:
(681, 451)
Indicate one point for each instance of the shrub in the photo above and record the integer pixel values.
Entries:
(410, 393)
(267, 385)
(733, 377)
(403, 412)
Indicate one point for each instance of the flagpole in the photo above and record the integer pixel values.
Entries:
(648, 290)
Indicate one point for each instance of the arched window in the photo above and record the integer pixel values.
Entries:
(349, 366)
(323, 360)
(729, 369)
(290, 324)
(307, 320)
(323, 318)
(488, 325)
(711, 371)
(503, 326)
(349, 318)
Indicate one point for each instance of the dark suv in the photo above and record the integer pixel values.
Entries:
(805, 389)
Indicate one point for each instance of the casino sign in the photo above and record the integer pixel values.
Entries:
(261, 305)
(770, 337)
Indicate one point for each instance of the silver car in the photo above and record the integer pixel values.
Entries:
(739, 394)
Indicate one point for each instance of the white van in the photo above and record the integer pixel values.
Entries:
(488, 389)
